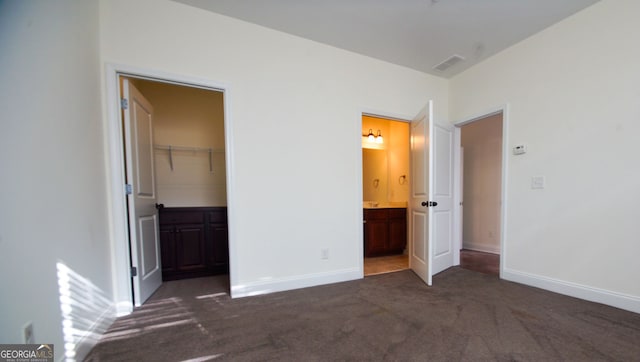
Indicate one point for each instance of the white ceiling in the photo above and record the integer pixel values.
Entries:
(417, 34)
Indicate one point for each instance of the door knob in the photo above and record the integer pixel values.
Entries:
(428, 203)
(159, 206)
(424, 203)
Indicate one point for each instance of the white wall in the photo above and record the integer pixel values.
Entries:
(482, 184)
(188, 117)
(294, 118)
(53, 176)
(573, 99)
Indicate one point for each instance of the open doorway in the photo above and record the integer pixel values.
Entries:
(481, 155)
(187, 169)
(385, 186)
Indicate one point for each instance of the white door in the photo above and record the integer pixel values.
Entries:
(143, 216)
(431, 200)
(420, 250)
(441, 214)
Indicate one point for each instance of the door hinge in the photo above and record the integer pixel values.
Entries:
(124, 103)
(134, 271)
(128, 189)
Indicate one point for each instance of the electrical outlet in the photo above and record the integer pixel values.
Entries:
(27, 332)
(324, 254)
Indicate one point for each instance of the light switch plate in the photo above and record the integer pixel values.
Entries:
(537, 182)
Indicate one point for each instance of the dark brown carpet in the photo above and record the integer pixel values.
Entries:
(465, 316)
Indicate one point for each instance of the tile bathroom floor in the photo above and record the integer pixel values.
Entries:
(385, 264)
(472, 260)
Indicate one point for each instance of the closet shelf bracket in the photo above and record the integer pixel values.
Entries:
(171, 149)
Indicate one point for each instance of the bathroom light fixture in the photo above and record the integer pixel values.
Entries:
(373, 138)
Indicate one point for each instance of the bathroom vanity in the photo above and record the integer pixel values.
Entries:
(385, 230)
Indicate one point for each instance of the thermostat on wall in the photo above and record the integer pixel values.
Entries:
(520, 150)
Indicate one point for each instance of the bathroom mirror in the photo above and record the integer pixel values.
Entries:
(374, 175)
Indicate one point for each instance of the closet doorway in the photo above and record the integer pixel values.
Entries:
(183, 158)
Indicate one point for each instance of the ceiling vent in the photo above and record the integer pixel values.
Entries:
(449, 62)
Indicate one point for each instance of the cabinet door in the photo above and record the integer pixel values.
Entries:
(168, 248)
(220, 246)
(397, 234)
(190, 247)
(376, 234)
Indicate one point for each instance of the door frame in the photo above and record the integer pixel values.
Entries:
(457, 226)
(117, 203)
(359, 190)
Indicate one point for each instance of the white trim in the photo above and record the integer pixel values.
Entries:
(117, 201)
(458, 164)
(123, 308)
(358, 198)
(504, 109)
(120, 252)
(365, 111)
(481, 247)
(618, 300)
(91, 337)
(478, 116)
(505, 186)
(295, 282)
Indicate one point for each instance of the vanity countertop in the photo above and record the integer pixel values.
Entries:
(383, 205)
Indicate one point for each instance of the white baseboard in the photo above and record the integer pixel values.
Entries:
(123, 308)
(614, 299)
(481, 247)
(88, 340)
(296, 282)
